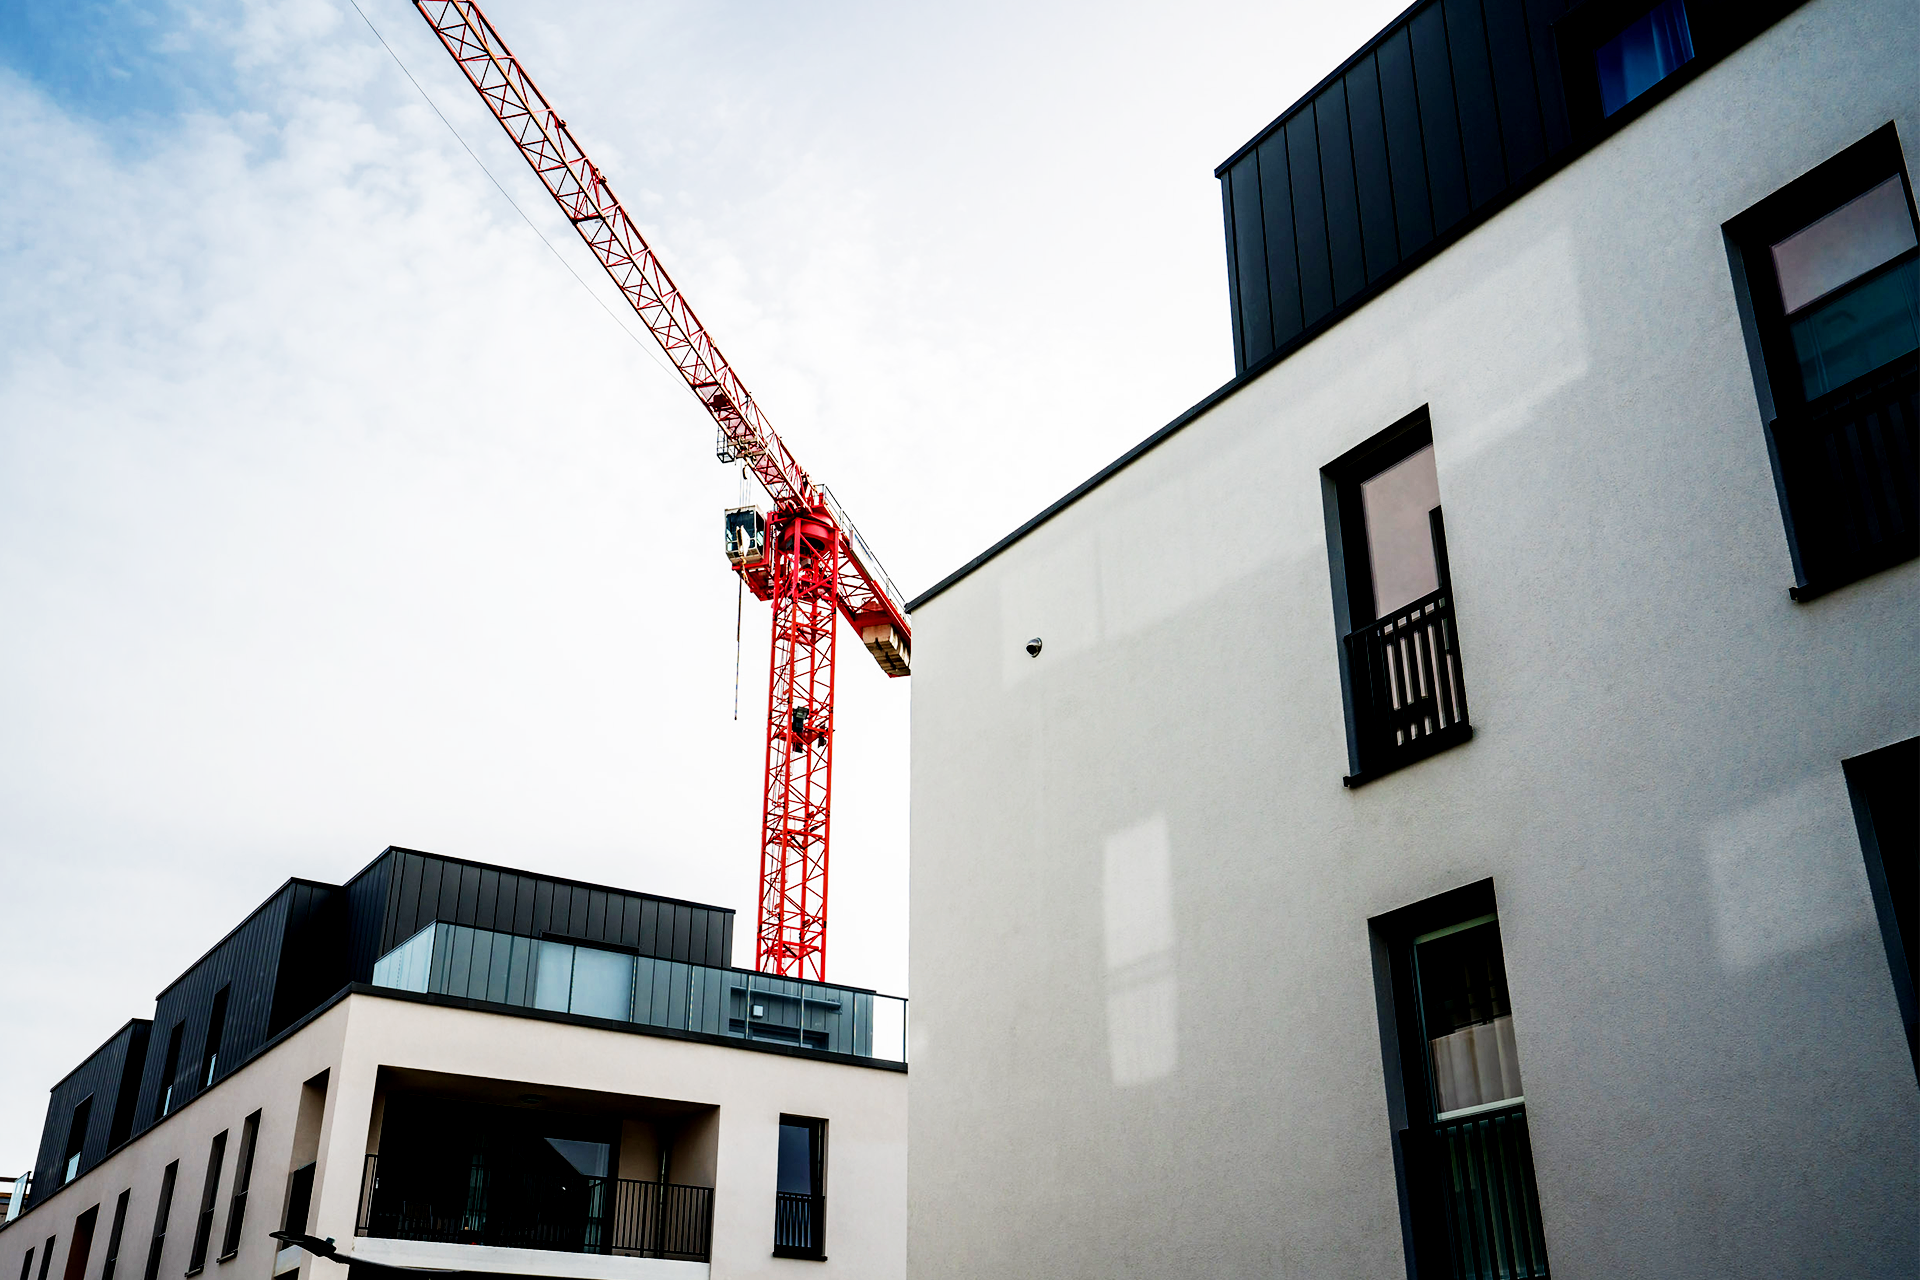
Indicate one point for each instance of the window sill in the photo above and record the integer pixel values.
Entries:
(1433, 744)
(194, 1271)
(801, 1255)
(228, 1257)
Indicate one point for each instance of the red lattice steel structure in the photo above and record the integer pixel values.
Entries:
(805, 557)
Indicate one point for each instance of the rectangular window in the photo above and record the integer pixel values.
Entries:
(209, 1195)
(81, 1246)
(216, 1031)
(800, 1198)
(170, 1068)
(1456, 1102)
(1646, 51)
(1884, 808)
(113, 1234)
(26, 1266)
(76, 1139)
(160, 1216)
(1393, 598)
(242, 1176)
(1827, 272)
(46, 1257)
(586, 980)
(299, 1200)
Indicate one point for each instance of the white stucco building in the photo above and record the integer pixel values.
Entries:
(1304, 886)
(444, 1066)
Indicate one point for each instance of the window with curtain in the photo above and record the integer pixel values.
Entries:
(1651, 48)
(1850, 288)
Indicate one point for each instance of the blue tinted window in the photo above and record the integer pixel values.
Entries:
(1648, 51)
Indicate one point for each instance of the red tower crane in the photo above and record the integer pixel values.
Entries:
(804, 556)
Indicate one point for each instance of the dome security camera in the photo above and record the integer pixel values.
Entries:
(1033, 647)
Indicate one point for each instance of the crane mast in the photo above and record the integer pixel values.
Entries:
(804, 556)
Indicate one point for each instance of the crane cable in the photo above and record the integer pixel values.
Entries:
(598, 301)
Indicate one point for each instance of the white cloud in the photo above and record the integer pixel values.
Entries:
(331, 514)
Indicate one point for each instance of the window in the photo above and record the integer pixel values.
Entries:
(81, 1246)
(800, 1198)
(216, 1030)
(1393, 601)
(170, 1068)
(26, 1265)
(113, 1234)
(209, 1193)
(1457, 1104)
(76, 1139)
(242, 1175)
(160, 1217)
(588, 980)
(1649, 49)
(46, 1257)
(1884, 808)
(299, 1199)
(1827, 272)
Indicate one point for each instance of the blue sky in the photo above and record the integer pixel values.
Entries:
(334, 513)
(125, 64)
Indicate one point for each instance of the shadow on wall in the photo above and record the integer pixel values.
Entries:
(1784, 877)
(1143, 1041)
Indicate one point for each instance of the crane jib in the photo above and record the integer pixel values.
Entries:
(807, 559)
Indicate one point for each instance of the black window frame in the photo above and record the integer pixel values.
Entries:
(114, 1233)
(216, 1036)
(1819, 566)
(815, 1249)
(1716, 27)
(1351, 575)
(209, 1201)
(157, 1245)
(79, 1120)
(1878, 783)
(169, 1071)
(242, 1177)
(1425, 1231)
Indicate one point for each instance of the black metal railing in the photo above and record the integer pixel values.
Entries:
(799, 1225)
(1409, 697)
(1471, 1180)
(520, 1210)
(1847, 462)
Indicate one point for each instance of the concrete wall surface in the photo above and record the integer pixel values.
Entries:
(865, 1110)
(731, 1143)
(1146, 1039)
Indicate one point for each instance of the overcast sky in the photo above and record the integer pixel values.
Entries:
(335, 513)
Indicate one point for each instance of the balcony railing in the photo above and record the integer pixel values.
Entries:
(1847, 463)
(1409, 700)
(503, 968)
(519, 1210)
(799, 1225)
(1472, 1183)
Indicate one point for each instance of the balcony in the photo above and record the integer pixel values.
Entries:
(799, 1225)
(1847, 466)
(1476, 1208)
(528, 1209)
(538, 973)
(1408, 698)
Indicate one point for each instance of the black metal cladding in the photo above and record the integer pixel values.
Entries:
(428, 887)
(307, 941)
(109, 1076)
(1455, 109)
